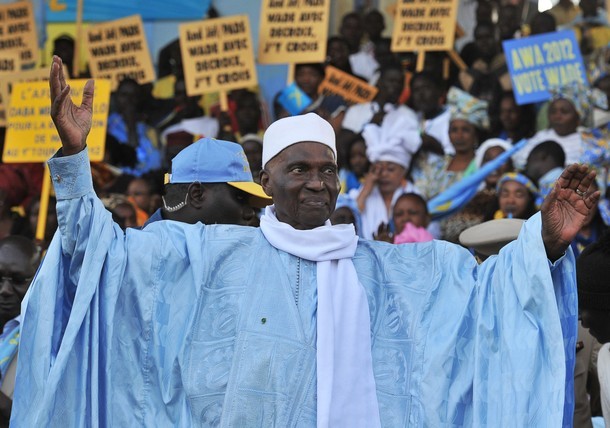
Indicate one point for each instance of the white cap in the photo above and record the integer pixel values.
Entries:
(489, 237)
(297, 129)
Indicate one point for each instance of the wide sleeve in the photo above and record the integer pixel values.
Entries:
(500, 337)
(62, 376)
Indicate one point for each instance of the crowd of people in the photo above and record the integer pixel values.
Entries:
(427, 136)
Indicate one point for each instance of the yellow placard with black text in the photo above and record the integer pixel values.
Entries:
(424, 25)
(352, 89)
(18, 31)
(118, 50)
(217, 55)
(293, 31)
(31, 135)
(10, 64)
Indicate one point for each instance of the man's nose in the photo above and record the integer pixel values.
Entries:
(5, 286)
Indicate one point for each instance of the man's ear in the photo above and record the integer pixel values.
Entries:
(264, 176)
(197, 193)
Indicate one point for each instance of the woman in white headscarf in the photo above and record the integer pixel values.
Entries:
(390, 150)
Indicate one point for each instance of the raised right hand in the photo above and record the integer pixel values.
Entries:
(73, 123)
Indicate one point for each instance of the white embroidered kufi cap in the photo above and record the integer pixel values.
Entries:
(297, 129)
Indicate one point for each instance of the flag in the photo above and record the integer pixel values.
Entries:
(293, 99)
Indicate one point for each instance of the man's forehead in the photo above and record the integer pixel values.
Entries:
(307, 150)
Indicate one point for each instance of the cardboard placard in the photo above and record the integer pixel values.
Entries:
(118, 49)
(10, 64)
(352, 89)
(18, 31)
(424, 25)
(217, 55)
(31, 135)
(539, 63)
(293, 31)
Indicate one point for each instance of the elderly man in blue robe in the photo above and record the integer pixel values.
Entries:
(297, 323)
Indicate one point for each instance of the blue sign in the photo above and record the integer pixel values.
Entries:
(108, 10)
(538, 63)
(293, 99)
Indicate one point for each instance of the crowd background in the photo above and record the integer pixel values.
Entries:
(423, 133)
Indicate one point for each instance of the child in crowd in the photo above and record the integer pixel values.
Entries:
(410, 216)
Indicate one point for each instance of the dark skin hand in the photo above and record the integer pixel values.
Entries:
(384, 234)
(73, 123)
(564, 210)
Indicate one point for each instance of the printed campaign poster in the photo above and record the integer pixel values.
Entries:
(31, 135)
(10, 65)
(424, 25)
(539, 63)
(217, 55)
(18, 31)
(118, 50)
(293, 31)
(352, 89)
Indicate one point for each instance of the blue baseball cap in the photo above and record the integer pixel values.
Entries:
(216, 161)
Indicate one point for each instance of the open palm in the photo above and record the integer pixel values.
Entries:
(73, 122)
(565, 209)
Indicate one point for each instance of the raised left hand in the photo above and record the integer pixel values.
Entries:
(564, 210)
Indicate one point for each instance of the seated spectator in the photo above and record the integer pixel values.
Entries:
(433, 174)
(542, 23)
(184, 107)
(544, 166)
(516, 197)
(513, 122)
(139, 194)
(19, 259)
(32, 212)
(488, 75)
(123, 212)
(569, 107)
(410, 217)
(591, 230)
(346, 212)
(564, 12)
(356, 166)
(384, 183)
(127, 126)
(253, 148)
(483, 203)
(337, 55)
(308, 78)
(427, 99)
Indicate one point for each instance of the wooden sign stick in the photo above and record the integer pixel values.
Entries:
(421, 60)
(44, 204)
(457, 60)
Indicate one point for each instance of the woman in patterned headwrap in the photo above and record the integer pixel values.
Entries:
(432, 174)
(516, 196)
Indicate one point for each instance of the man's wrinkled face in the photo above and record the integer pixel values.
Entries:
(303, 181)
(16, 273)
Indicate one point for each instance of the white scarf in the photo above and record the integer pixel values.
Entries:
(346, 394)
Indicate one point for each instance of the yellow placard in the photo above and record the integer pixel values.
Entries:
(118, 50)
(424, 25)
(352, 89)
(293, 31)
(10, 64)
(18, 31)
(217, 55)
(31, 135)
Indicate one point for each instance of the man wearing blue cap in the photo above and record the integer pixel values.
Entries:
(211, 182)
(297, 323)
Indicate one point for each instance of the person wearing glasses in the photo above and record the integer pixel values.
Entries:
(19, 259)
